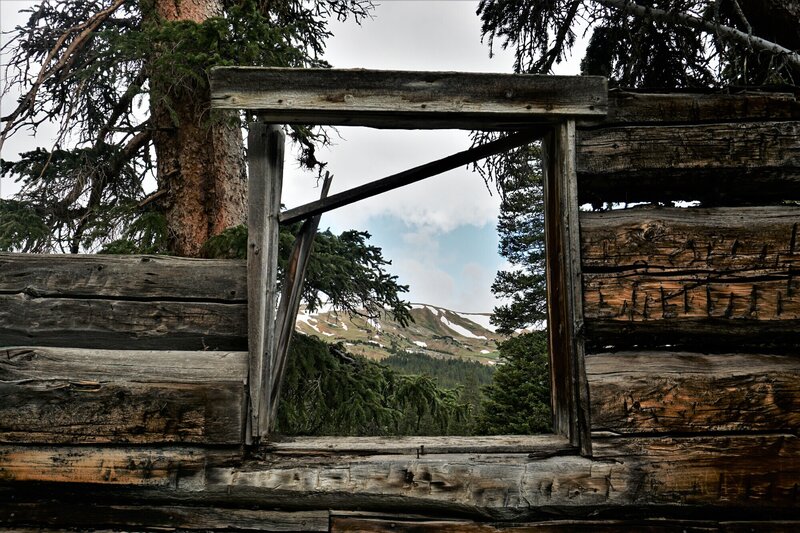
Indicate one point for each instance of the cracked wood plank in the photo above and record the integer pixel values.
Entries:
(60, 395)
(110, 323)
(692, 239)
(135, 277)
(680, 392)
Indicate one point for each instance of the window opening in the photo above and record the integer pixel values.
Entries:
(439, 363)
(420, 100)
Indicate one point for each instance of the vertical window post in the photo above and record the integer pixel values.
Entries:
(265, 155)
(570, 397)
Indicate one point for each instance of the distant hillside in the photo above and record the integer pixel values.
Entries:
(436, 332)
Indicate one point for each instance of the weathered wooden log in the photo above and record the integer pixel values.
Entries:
(667, 392)
(639, 108)
(400, 524)
(668, 476)
(564, 301)
(533, 445)
(720, 240)
(397, 99)
(678, 276)
(146, 467)
(116, 324)
(728, 163)
(759, 295)
(266, 145)
(131, 517)
(692, 312)
(61, 395)
(135, 277)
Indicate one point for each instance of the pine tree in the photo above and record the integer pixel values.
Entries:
(518, 400)
(521, 229)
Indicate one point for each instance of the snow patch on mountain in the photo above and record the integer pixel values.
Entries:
(421, 344)
(480, 319)
(460, 329)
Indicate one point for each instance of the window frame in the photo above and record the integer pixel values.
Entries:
(395, 100)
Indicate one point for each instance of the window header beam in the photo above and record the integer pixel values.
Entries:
(407, 99)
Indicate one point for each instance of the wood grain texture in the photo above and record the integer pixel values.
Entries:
(564, 299)
(733, 145)
(626, 107)
(397, 99)
(57, 395)
(758, 470)
(132, 466)
(667, 392)
(720, 164)
(720, 276)
(642, 476)
(141, 277)
(533, 445)
(121, 324)
(721, 240)
(266, 145)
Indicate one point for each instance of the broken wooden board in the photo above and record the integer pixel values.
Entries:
(63, 395)
(680, 392)
(406, 99)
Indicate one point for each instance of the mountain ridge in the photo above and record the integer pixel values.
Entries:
(435, 331)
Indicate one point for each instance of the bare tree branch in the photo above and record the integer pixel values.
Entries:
(709, 26)
(26, 105)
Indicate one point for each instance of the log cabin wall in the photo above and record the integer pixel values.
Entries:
(123, 379)
(692, 313)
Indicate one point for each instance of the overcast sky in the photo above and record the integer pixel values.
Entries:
(439, 233)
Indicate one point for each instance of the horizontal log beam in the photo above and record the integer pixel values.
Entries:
(132, 517)
(668, 392)
(768, 295)
(408, 177)
(677, 476)
(60, 395)
(640, 108)
(356, 524)
(704, 147)
(398, 99)
(533, 445)
(719, 240)
(127, 277)
(114, 324)
(150, 468)
(719, 276)
(728, 163)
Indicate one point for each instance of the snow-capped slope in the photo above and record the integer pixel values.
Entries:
(436, 331)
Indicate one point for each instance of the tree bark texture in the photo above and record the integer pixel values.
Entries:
(200, 161)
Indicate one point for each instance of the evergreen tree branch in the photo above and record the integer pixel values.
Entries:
(563, 31)
(686, 19)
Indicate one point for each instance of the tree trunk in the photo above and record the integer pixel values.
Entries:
(200, 160)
